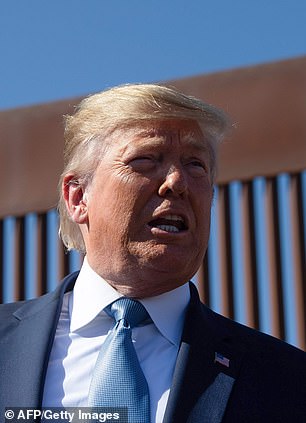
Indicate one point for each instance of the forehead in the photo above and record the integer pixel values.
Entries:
(158, 133)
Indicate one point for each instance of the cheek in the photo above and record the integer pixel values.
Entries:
(114, 206)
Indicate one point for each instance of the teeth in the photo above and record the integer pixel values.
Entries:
(168, 228)
(173, 217)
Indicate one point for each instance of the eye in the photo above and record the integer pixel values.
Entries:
(142, 163)
(196, 167)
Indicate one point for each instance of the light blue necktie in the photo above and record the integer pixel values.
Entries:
(118, 380)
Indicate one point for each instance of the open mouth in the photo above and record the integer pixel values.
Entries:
(169, 223)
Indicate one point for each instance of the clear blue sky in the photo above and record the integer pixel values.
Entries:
(56, 49)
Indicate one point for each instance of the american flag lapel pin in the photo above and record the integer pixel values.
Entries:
(219, 358)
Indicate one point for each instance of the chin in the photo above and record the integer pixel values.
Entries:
(178, 266)
(160, 252)
(166, 258)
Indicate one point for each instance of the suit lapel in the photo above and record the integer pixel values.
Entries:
(202, 384)
(27, 343)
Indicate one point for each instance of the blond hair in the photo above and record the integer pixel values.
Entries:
(88, 130)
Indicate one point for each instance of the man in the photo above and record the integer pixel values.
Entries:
(136, 195)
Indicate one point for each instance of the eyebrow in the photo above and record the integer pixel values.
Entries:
(196, 142)
(154, 137)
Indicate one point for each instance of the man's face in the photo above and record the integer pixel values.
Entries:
(148, 208)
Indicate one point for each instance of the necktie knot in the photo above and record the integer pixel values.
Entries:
(132, 311)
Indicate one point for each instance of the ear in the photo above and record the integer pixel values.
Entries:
(75, 198)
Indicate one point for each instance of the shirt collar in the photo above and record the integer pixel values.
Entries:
(168, 312)
(91, 294)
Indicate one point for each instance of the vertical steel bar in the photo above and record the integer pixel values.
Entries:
(262, 256)
(31, 250)
(9, 273)
(213, 257)
(237, 246)
(52, 250)
(287, 268)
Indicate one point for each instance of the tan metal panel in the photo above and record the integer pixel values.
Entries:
(31, 157)
(267, 102)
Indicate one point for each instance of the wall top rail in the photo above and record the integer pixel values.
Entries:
(267, 103)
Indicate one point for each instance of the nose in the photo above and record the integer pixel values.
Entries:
(174, 183)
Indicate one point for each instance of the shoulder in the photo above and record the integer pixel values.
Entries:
(248, 339)
(271, 377)
(19, 309)
(264, 356)
(255, 341)
(9, 309)
(269, 365)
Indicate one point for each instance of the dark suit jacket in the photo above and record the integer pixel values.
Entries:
(265, 380)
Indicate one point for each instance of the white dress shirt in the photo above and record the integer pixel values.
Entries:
(83, 327)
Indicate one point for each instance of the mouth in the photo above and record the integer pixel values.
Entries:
(170, 223)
